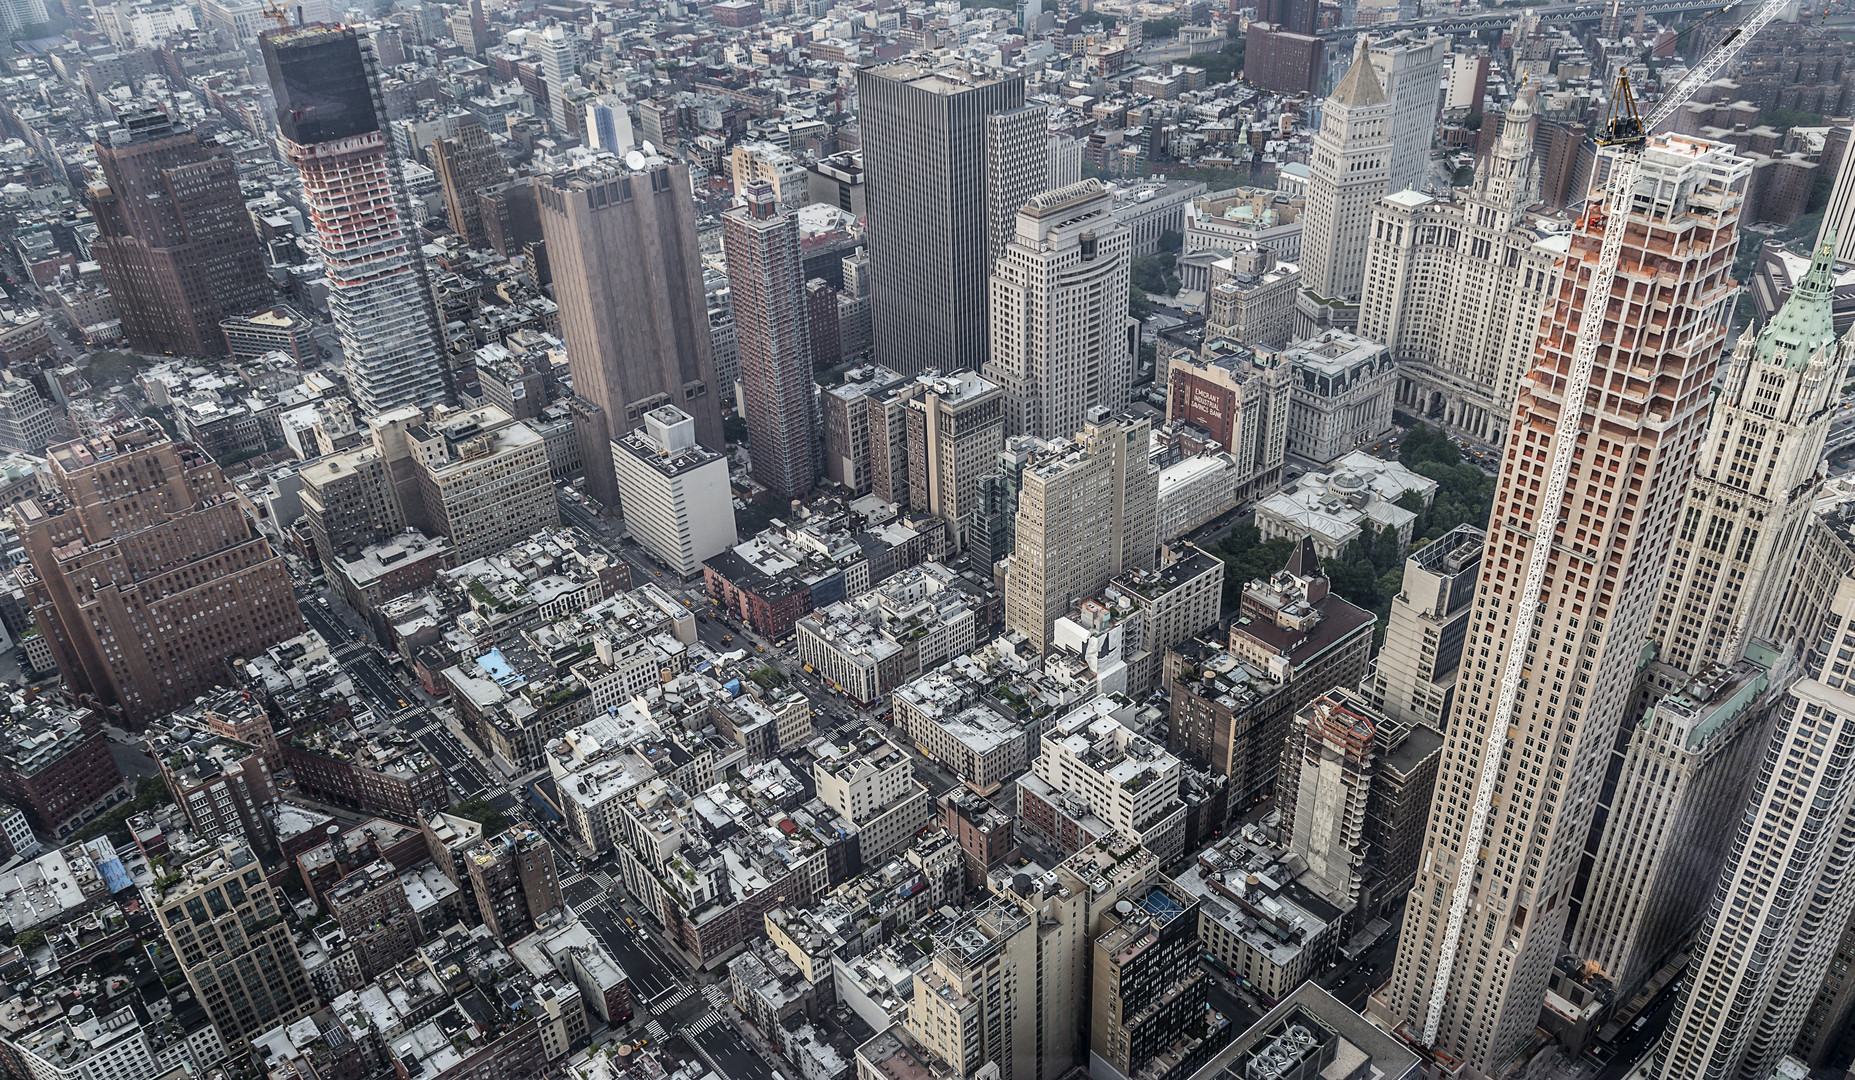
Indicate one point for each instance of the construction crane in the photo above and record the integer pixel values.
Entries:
(1621, 139)
(275, 12)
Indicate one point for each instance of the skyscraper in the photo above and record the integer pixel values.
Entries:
(1059, 295)
(1409, 65)
(1682, 780)
(1680, 791)
(955, 428)
(1513, 805)
(465, 162)
(328, 121)
(558, 51)
(1413, 679)
(174, 240)
(1281, 52)
(1756, 479)
(621, 242)
(608, 124)
(1783, 902)
(940, 144)
(1839, 215)
(1085, 513)
(764, 274)
(1460, 321)
(168, 579)
(1348, 170)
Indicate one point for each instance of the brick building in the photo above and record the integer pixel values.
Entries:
(132, 560)
(55, 765)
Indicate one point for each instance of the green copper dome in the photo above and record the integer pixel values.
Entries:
(1806, 322)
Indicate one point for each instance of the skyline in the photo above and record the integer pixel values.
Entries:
(640, 540)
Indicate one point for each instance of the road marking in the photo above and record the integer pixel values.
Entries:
(679, 993)
(704, 1025)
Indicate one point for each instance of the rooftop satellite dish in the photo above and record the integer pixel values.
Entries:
(649, 149)
(634, 160)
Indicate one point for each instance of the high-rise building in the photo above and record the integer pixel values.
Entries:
(974, 1003)
(1783, 901)
(558, 51)
(1756, 479)
(1679, 793)
(1498, 920)
(1459, 320)
(1828, 1032)
(515, 881)
(371, 908)
(1413, 680)
(26, 421)
(169, 582)
(465, 162)
(1085, 513)
(764, 274)
(329, 122)
(871, 783)
(1839, 215)
(1252, 298)
(225, 927)
(1240, 397)
(846, 418)
(1348, 169)
(1060, 343)
(1065, 161)
(224, 788)
(17, 15)
(470, 29)
(955, 429)
(1281, 52)
(1409, 65)
(949, 156)
(1322, 788)
(1149, 990)
(174, 240)
(348, 504)
(628, 278)
(679, 505)
(1095, 776)
(483, 480)
(608, 124)
(1682, 774)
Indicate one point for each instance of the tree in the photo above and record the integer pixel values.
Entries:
(1139, 305)
(1464, 493)
(30, 940)
(1785, 119)
(478, 809)
(1247, 557)
(1159, 29)
(1172, 241)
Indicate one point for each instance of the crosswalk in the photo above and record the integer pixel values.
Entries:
(707, 1021)
(717, 994)
(571, 880)
(584, 906)
(677, 997)
(655, 1031)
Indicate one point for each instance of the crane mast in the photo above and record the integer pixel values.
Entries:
(1622, 139)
